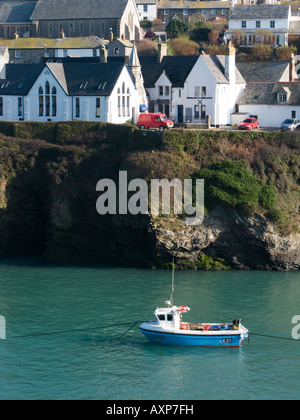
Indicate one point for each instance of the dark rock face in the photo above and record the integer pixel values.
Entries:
(48, 206)
(243, 242)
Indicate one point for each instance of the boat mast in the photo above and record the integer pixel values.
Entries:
(173, 282)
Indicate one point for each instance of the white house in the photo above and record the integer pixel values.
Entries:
(191, 88)
(249, 25)
(274, 101)
(68, 91)
(147, 9)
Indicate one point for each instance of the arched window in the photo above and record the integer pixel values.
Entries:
(41, 101)
(123, 88)
(47, 98)
(128, 102)
(54, 102)
(119, 102)
(92, 28)
(81, 29)
(103, 28)
(50, 29)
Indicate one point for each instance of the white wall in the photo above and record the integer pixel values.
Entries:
(150, 14)
(265, 24)
(271, 115)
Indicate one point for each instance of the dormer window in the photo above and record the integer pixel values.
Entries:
(283, 95)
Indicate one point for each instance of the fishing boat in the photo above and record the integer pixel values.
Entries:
(169, 328)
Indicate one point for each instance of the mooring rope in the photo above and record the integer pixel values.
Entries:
(41, 334)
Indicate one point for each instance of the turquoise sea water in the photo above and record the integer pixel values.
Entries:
(98, 364)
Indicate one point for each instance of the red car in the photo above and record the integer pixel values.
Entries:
(249, 124)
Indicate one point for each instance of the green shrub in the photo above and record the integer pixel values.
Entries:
(230, 183)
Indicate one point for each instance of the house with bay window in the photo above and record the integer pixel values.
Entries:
(249, 25)
(68, 91)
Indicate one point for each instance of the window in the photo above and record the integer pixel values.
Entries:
(179, 93)
(47, 98)
(258, 24)
(123, 106)
(197, 91)
(272, 24)
(128, 102)
(203, 112)
(41, 102)
(20, 106)
(169, 317)
(213, 12)
(103, 28)
(54, 102)
(71, 27)
(161, 317)
(166, 12)
(119, 102)
(294, 114)
(282, 97)
(197, 112)
(81, 29)
(77, 107)
(145, 8)
(167, 91)
(161, 90)
(204, 92)
(1, 106)
(185, 12)
(244, 24)
(50, 29)
(92, 28)
(98, 107)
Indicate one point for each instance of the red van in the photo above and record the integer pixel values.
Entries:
(156, 121)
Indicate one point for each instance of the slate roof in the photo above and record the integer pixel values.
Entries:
(267, 71)
(16, 12)
(94, 74)
(79, 9)
(20, 78)
(259, 12)
(177, 68)
(266, 94)
(38, 43)
(76, 79)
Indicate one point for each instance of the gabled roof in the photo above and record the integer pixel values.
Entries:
(89, 79)
(16, 12)
(259, 12)
(268, 71)
(80, 79)
(177, 68)
(266, 94)
(77, 9)
(20, 78)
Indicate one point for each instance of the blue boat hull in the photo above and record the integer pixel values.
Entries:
(194, 340)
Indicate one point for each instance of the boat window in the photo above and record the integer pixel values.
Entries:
(161, 317)
(170, 317)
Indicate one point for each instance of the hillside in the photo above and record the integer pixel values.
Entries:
(48, 196)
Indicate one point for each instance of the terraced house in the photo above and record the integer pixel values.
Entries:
(187, 10)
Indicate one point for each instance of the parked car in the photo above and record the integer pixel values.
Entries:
(150, 35)
(290, 124)
(249, 124)
(155, 121)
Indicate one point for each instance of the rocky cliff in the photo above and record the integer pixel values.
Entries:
(48, 200)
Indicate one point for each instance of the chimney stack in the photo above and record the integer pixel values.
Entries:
(292, 73)
(111, 36)
(103, 54)
(230, 63)
(162, 51)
